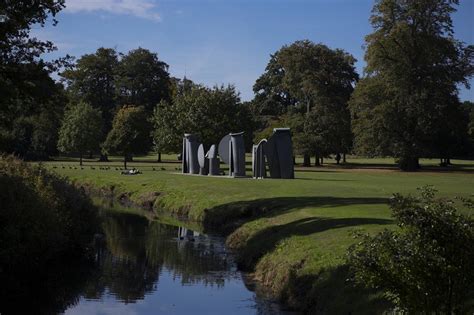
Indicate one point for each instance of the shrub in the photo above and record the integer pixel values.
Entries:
(41, 217)
(427, 266)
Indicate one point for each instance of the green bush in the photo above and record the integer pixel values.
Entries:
(427, 266)
(42, 216)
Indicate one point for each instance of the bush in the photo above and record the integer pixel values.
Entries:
(41, 217)
(427, 266)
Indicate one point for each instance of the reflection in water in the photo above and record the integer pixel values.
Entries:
(145, 267)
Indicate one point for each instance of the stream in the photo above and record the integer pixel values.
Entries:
(143, 266)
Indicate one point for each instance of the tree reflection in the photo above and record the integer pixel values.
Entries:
(134, 251)
(126, 263)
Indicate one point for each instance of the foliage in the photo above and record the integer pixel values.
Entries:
(92, 80)
(427, 265)
(130, 133)
(142, 79)
(407, 106)
(208, 113)
(315, 79)
(81, 130)
(42, 216)
(31, 102)
(468, 108)
(15, 42)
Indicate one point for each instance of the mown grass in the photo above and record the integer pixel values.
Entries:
(293, 234)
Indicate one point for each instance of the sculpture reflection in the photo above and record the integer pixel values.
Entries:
(126, 263)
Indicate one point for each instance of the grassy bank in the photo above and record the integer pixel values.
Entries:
(292, 234)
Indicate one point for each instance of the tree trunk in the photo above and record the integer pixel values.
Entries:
(90, 154)
(294, 160)
(316, 162)
(343, 158)
(322, 160)
(103, 158)
(306, 160)
(125, 161)
(159, 157)
(448, 161)
(80, 159)
(409, 163)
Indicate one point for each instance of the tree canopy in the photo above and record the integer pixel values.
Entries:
(142, 79)
(81, 130)
(92, 80)
(209, 113)
(414, 66)
(31, 103)
(311, 78)
(130, 133)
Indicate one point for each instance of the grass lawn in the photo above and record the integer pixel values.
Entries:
(293, 234)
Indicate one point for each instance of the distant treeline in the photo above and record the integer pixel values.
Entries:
(406, 104)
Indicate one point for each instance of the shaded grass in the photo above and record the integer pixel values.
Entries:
(292, 234)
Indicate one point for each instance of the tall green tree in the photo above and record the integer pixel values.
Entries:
(468, 108)
(81, 130)
(92, 80)
(130, 133)
(313, 79)
(210, 113)
(142, 79)
(414, 66)
(31, 103)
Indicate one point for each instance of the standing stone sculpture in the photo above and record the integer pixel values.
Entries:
(279, 153)
(203, 161)
(232, 152)
(214, 161)
(259, 169)
(190, 163)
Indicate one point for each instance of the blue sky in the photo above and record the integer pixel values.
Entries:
(221, 42)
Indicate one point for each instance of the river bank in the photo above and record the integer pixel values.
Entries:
(292, 235)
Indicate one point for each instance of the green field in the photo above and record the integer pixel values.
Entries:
(293, 234)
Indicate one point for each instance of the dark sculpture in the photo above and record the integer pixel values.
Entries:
(203, 161)
(190, 163)
(214, 161)
(232, 152)
(279, 153)
(259, 169)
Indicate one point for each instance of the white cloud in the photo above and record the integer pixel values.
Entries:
(145, 9)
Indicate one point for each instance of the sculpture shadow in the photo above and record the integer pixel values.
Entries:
(226, 218)
(267, 239)
(326, 180)
(312, 169)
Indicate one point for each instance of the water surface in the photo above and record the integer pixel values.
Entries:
(147, 267)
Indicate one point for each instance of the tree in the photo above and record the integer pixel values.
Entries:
(129, 134)
(92, 80)
(142, 79)
(208, 113)
(414, 65)
(468, 108)
(428, 265)
(31, 103)
(315, 79)
(81, 130)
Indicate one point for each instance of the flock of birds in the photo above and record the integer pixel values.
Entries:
(107, 168)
